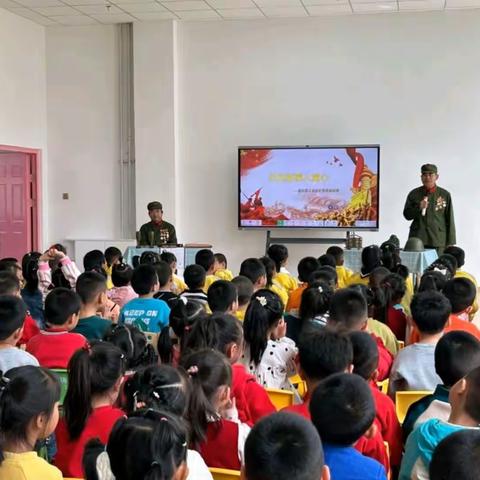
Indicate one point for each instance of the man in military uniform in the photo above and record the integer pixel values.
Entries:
(158, 231)
(430, 208)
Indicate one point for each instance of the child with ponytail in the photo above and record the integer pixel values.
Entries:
(269, 354)
(28, 413)
(95, 375)
(224, 333)
(394, 288)
(215, 431)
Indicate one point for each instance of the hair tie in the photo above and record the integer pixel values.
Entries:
(87, 348)
(193, 370)
(170, 385)
(320, 289)
(387, 284)
(155, 394)
(4, 383)
(262, 301)
(184, 300)
(187, 328)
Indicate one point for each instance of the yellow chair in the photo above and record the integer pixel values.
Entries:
(299, 384)
(280, 398)
(403, 400)
(224, 474)
(383, 386)
(62, 375)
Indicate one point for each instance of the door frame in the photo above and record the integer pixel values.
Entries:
(36, 156)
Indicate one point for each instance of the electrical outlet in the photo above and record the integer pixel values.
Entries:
(65, 196)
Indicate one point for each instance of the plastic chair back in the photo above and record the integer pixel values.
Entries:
(280, 398)
(224, 474)
(62, 375)
(403, 400)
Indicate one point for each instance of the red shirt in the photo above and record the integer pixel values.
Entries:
(251, 399)
(397, 321)
(370, 447)
(54, 348)
(385, 359)
(70, 453)
(389, 426)
(30, 329)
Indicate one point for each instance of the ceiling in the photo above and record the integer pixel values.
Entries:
(91, 12)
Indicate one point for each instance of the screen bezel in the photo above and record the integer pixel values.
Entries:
(308, 147)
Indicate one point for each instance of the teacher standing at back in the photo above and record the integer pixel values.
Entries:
(431, 211)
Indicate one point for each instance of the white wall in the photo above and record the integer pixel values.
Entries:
(408, 82)
(23, 119)
(83, 132)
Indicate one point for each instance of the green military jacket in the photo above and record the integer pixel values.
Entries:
(437, 227)
(162, 234)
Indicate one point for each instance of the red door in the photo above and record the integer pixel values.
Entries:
(17, 204)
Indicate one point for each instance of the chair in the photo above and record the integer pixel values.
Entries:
(383, 386)
(224, 474)
(280, 398)
(62, 375)
(403, 400)
(387, 451)
(299, 384)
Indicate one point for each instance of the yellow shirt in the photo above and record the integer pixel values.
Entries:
(179, 285)
(383, 331)
(208, 281)
(357, 278)
(281, 292)
(240, 314)
(407, 298)
(27, 466)
(224, 274)
(109, 278)
(343, 274)
(286, 281)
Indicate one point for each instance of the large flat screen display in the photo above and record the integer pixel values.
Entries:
(309, 187)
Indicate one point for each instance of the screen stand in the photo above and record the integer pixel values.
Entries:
(302, 240)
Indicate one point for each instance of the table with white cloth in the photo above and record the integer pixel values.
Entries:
(416, 262)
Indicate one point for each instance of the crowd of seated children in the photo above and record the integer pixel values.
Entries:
(269, 354)
(284, 446)
(206, 259)
(279, 254)
(165, 283)
(457, 456)
(55, 346)
(122, 291)
(342, 410)
(212, 418)
(194, 276)
(456, 354)
(145, 312)
(464, 398)
(95, 375)
(414, 366)
(221, 270)
(244, 288)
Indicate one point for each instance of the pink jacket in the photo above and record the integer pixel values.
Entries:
(121, 295)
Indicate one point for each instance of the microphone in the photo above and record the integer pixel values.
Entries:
(424, 209)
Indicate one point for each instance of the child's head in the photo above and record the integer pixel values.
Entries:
(113, 255)
(279, 254)
(458, 253)
(92, 288)
(29, 399)
(315, 301)
(222, 297)
(221, 332)
(133, 343)
(457, 456)
(394, 288)
(433, 281)
(342, 409)
(377, 276)
(211, 379)
(327, 259)
(461, 292)
(371, 258)
(170, 258)
(270, 270)
(464, 398)
(12, 316)
(149, 257)
(430, 312)
(456, 354)
(121, 274)
(253, 269)
(337, 253)
(446, 265)
(390, 255)
(30, 269)
(325, 274)
(10, 264)
(145, 280)
(62, 307)
(206, 259)
(160, 387)
(322, 352)
(9, 284)
(365, 355)
(244, 288)
(284, 446)
(95, 261)
(165, 274)
(194, 276)
(348, 310)
(306, 266)
(94, 373)
(220, 261)
(263, 318)
(183, 316)
(149, 445)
